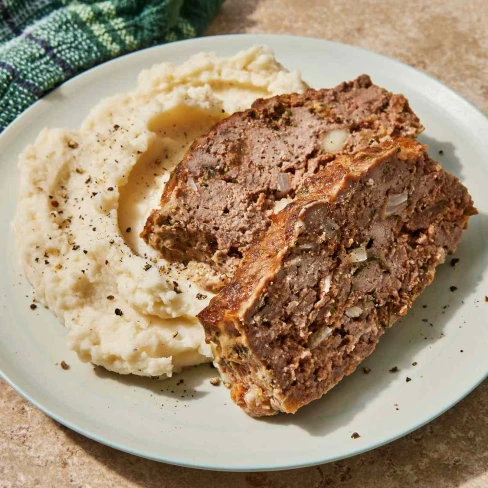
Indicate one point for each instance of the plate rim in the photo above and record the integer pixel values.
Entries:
(17, 123)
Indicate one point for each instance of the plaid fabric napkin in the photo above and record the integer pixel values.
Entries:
(45, 42)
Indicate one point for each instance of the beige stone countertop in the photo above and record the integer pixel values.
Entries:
(447, 39)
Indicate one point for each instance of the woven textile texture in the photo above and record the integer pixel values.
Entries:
(46, 42)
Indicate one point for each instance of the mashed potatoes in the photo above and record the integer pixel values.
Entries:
(84, 198)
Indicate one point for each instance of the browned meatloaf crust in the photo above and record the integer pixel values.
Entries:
(223, 192)
(341, 263)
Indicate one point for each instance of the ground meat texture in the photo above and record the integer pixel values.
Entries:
(339, 265)
(234, 178)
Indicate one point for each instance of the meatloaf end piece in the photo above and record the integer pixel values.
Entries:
(224, 191)
(338, 266)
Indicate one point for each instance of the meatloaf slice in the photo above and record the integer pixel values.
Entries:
(340, 264)
(223, 192)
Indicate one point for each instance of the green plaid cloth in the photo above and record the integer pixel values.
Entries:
(45, 42)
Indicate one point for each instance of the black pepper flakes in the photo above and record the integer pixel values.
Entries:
(128, 229)
(453, 288)
(147, 267)
(366, 370)
(110, 188)
(64, 365)
(441, 152)
(110, 297)
(408, 379)
(119, 312)
(414, 363)
(176, 287)
(454, 261)
(75, 247)
(116, 127)
(394, 369)
(355, 435)
(201, 297)
(33, 306)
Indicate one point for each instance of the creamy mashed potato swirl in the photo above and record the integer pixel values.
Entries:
(84, 198)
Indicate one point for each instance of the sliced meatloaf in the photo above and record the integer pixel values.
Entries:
(224, 191)
(339, 265)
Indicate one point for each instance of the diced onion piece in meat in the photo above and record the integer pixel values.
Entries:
(334, 140)
(353, 312)
(192, 184)
(327, 283)
(358, 254)
(319, 336)
(284, 183)
(396, 203)
(279, 205)
(254, 396)
(441, 254)
(330, 228)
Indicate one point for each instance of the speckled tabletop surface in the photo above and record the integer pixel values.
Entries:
(449, 40)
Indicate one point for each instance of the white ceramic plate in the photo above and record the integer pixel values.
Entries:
(149, 418)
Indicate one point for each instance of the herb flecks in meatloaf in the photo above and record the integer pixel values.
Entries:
(233, 179)
(339, 265)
